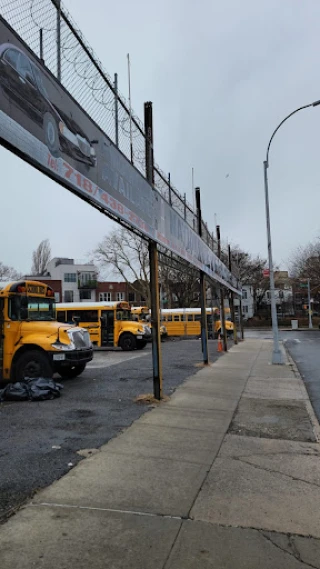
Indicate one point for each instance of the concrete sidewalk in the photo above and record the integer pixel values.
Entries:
(225, 475)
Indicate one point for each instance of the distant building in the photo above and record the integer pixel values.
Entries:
(78, 281)
(283, 297)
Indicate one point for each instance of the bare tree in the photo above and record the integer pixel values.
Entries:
(40, 258)
(250, 272)
(305, 263)
(179, 281)
(8, 273)
(128, 256)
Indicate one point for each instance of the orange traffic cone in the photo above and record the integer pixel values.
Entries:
(220, 347)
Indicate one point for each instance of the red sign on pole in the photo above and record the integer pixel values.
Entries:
(266, 273)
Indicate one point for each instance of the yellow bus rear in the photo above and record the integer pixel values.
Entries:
(187, 321)
(143, 314)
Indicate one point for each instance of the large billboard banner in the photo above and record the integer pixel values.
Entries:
(44, 125)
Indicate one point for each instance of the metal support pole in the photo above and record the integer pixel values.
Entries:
(222, 313)
(240, 319)
(116, 109)
(185, 206)
(276, 354)
(154, 269)
(41, 44)
(309, 305)
(204, 323)
(130, 110)
(155, 321)
(58, 40)
(169, 185)
(235, 337)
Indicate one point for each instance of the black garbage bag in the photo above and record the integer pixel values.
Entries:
(42, 388)
(14, 392)
(31, 389)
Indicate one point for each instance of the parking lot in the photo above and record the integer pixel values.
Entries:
(40, 441)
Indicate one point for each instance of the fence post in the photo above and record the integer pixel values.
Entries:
(222, 315)
(235, 336)
(116, 109)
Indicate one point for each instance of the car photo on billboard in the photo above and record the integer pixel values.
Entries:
(23, 82)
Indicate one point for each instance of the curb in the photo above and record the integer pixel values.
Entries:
(311, 413)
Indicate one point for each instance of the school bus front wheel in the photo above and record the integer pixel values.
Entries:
(32, 363)
(127, 342)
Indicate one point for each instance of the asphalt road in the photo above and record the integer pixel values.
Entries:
(304, 348)
(40, 440)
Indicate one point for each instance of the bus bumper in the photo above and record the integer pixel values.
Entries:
(71, 358)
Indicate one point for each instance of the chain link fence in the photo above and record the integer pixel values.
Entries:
(51, 33)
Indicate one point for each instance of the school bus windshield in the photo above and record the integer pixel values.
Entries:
(32, 308)
(124, 315)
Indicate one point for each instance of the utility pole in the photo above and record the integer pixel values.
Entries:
(235, 336)
(204, 323)
(154, 269)
(222, 315)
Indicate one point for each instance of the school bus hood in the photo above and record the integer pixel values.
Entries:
(53, 332)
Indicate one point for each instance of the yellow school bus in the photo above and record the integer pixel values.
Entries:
(108, 323)
(143, 314)
(187, 321)
(32, 342)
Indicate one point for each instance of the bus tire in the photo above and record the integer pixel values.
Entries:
(72, 371)
(33, 363)
(141, 345)
(127, 342)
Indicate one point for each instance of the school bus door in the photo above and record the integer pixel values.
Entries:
(107, 327)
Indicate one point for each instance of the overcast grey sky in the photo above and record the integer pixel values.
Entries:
(221, 75)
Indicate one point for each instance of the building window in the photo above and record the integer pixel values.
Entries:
(57, 296)
(86, 278)
(120, 296)
(70, 277)
(131, 297)
(85, 294)
(105, 296)
(68, 296)
(245, 309)
(244, 295)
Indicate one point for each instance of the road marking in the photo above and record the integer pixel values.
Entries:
(109, 359)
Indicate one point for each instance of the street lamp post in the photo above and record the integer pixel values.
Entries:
(276, 354)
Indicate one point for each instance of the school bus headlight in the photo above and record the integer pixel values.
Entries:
(61, 346)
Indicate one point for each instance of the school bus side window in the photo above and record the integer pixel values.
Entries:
(190, 317)
(176, 318)
(169, 317)
(84, 315)
(61, 316)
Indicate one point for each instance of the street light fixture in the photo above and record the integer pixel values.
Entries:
(276, 354)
